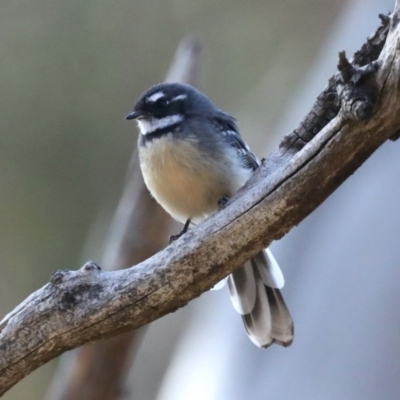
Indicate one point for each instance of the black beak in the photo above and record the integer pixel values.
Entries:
(134, 115)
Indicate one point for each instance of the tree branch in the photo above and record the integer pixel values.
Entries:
(77, 307)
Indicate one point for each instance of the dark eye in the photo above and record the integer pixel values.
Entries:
(161, 103)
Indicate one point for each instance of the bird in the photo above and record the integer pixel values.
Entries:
(193, 159)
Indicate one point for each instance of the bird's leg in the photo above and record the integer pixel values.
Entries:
(222, 202)
(172, 238)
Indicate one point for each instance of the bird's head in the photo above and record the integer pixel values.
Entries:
(166, 105)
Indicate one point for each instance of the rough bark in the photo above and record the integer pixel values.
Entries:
(77, 307)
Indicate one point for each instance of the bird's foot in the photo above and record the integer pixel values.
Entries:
(172, 238)
(222, 202)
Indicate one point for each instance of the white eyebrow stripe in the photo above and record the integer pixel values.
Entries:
(227, 133)
(150, 126)
(155, 96)
(180, 97)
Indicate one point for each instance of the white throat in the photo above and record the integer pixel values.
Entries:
(147, 126)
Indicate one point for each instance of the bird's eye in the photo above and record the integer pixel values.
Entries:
(161, 103)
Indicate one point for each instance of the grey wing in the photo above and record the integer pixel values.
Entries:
(228, 129)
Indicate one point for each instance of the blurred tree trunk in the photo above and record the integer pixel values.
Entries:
(140, 229)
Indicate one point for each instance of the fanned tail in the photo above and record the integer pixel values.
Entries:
(255, 294)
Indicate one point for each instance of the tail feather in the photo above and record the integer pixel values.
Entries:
(282, 324)
(219, 285)
(267, 319)
(242, 288)
(258, 323)
(269, 269)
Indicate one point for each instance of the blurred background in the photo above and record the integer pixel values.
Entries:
(71, 71)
